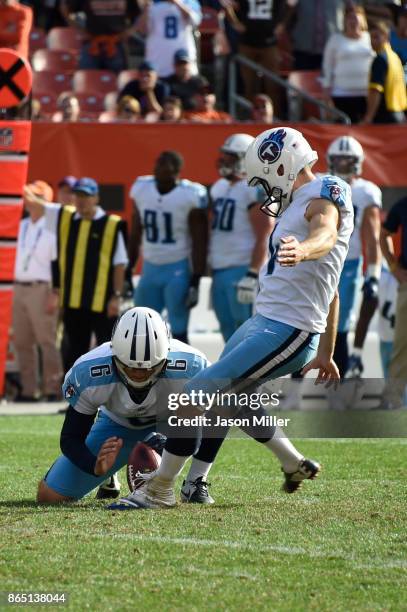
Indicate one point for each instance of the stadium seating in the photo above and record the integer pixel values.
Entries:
(97, 81)
(124, 77)
(48, 101)
(308, 81)
(56, 61)
(52, 82)
(91, 104)
(38, 40)
(62, 39)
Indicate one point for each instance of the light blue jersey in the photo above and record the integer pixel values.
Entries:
(93, 382)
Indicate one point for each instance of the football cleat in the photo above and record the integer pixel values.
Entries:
(196, 492)
(109, 489)
(155, 494)
(307, 470)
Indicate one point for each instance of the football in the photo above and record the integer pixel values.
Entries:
(142, 460)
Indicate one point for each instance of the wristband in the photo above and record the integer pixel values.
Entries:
(252, 273)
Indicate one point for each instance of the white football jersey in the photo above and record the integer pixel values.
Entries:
(166, 237)
(364, 194)
(301, 295)
(168, 32)
(232, 237)
(388, 287)
(93, 382)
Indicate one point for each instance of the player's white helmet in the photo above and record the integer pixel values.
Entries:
(140, 340)
(345, 157)
(273, 161)
(235, 145)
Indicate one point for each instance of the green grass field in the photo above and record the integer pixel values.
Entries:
(338, 544)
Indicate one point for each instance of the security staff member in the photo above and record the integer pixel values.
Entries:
(386, 99)
(91, 263)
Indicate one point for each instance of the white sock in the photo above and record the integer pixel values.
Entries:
(285, 452)
(170, 466)
(198, 468)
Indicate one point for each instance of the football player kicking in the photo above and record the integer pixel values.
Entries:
(238, 237)
(297, 306)
(129, 379)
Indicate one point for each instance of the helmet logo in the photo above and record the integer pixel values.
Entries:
(270, 149)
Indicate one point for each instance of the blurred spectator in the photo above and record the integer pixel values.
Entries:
(398, 38)
(263, 110)
(172, 109)
(65, 194)
(147, 89)
(35, 305)
(107, 25)
(346, 65)
(257, 42)
(311, 24)
(394, 391)
(204, 108)
(92, 259)
(182, 82)
(127, 109)
(15, 25)
(69, 109)
(36, 111)
(387, 100)
(169, 25)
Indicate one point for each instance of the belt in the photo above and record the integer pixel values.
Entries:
(31, 283)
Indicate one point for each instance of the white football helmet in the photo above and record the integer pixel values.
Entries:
(345, 157)
(236, 145)
(140, 340)
(274, 161)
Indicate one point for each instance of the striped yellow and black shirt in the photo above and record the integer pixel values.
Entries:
(85, 259)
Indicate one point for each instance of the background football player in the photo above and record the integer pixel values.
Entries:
(296, 309)
(238, 237)
(170, 221)
(345, 159)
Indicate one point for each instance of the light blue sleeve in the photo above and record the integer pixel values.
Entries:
(86, 375)
(185, 365)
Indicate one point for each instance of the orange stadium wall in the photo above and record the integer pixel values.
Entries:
(115, 154)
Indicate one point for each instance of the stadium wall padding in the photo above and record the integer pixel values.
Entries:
(14, 146)
(115, 154)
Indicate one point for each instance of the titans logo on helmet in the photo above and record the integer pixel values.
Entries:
(270, 149)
